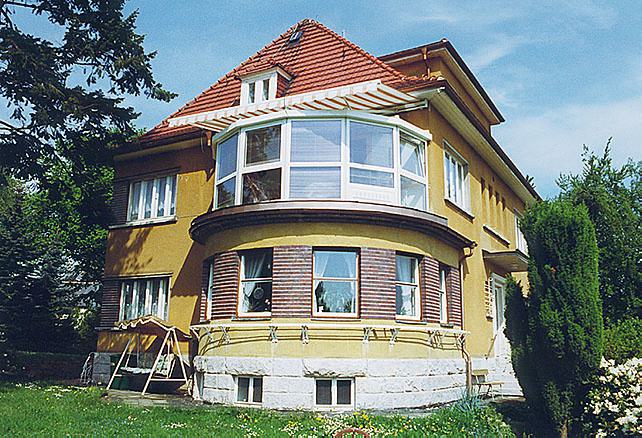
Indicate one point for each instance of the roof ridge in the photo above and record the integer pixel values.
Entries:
(227, 75)
(356, 48)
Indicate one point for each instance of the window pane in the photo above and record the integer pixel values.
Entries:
(160, 190)
(266, 89)
(344, 393)
(243, 389)
(149, 190)
(226, 157)
(257, 263)
(315, 182)
(335, 264)
(406, 269)
(413, 194)
(263, 145)
(142, 293)
(135, 199)
(412, 155)
(406, 300)
(335, 296)
(172, 191)
(324, 392)
(371, 177)
(163, 298)
(370, 144)
(154, 297)
(251, 92)
(256, 296)
(261, 186)
(225, 193)
(127, 299)
(257, 391)
(318, 140)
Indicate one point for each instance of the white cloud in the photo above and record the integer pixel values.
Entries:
(499, 47)
(550, 143)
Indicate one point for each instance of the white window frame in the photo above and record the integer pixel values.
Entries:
(243, 280)
(136, 294)
(520, 239)
(170, 198)
(250, 391)
(333, 391)
(210, 286)
(463, 191)
(354, 314)
(416, 317)
(349, 191)
(443, 294)
(258, 81)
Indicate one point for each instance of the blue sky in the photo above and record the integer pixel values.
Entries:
(563, 73)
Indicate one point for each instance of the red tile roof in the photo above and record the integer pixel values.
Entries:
(320, 59)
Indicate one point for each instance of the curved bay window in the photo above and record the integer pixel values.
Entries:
(332, 158)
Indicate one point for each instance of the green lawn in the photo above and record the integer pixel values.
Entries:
(54, 410)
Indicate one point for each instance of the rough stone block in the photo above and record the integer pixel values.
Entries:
(248, 366)
(290, 385)
(218, 381)
(287, 367)
(334, 367)
(272, 400)
(217, 395)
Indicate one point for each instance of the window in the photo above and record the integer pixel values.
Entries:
(443, 295)
(335, 282)
(322, 159)
(141, 297)
(152, 198)
(249, 389)
(412, 170)
(520, 240)
(257, 89)
(210, 286)
(333, 392)
(407, 287)
(255, 293)
(456, 179)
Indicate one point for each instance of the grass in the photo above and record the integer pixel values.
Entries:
(54, 410)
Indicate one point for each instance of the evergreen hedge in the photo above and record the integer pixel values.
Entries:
(556, 330)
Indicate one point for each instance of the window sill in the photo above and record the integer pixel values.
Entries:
(334, 317)
(446, 325)
(497, 235)
(145, 222)
(468, 215)
(404, 319)
(259, 317)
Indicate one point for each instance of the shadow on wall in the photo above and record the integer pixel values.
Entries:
(187, 281)
(124, 249)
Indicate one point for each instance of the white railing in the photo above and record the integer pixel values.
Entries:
(435, 334)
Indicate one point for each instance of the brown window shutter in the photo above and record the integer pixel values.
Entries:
(110, 307)
(205, 279)
(292, 281)
(453, 284)
(377, 283)
(430, 288)
(119, 201)
(225, 285)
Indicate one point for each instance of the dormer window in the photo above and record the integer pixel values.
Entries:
(260, 87)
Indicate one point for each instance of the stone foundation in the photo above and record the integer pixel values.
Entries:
(102, 368)
(288, 383)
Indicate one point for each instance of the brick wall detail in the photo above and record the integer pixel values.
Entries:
(292, 281)
(377, 269)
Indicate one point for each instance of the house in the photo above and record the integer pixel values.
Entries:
(333, 229)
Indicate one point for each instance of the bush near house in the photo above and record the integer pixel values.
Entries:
(623, 340)
(556, 333)
(52, 410)
(614, 405)
(23, 365)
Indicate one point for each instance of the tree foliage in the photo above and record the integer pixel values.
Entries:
(613, 199)
(556, 332)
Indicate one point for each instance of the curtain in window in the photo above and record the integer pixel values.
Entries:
(315, 182)
(318, 140)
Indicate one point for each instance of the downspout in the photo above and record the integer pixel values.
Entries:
(465, 354)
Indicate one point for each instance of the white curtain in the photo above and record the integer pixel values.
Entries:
(253, 265)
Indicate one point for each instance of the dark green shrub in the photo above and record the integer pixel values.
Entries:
(623, 340)
(556, 332)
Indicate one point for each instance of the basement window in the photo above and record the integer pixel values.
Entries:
(334, 393)
(249, 389)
